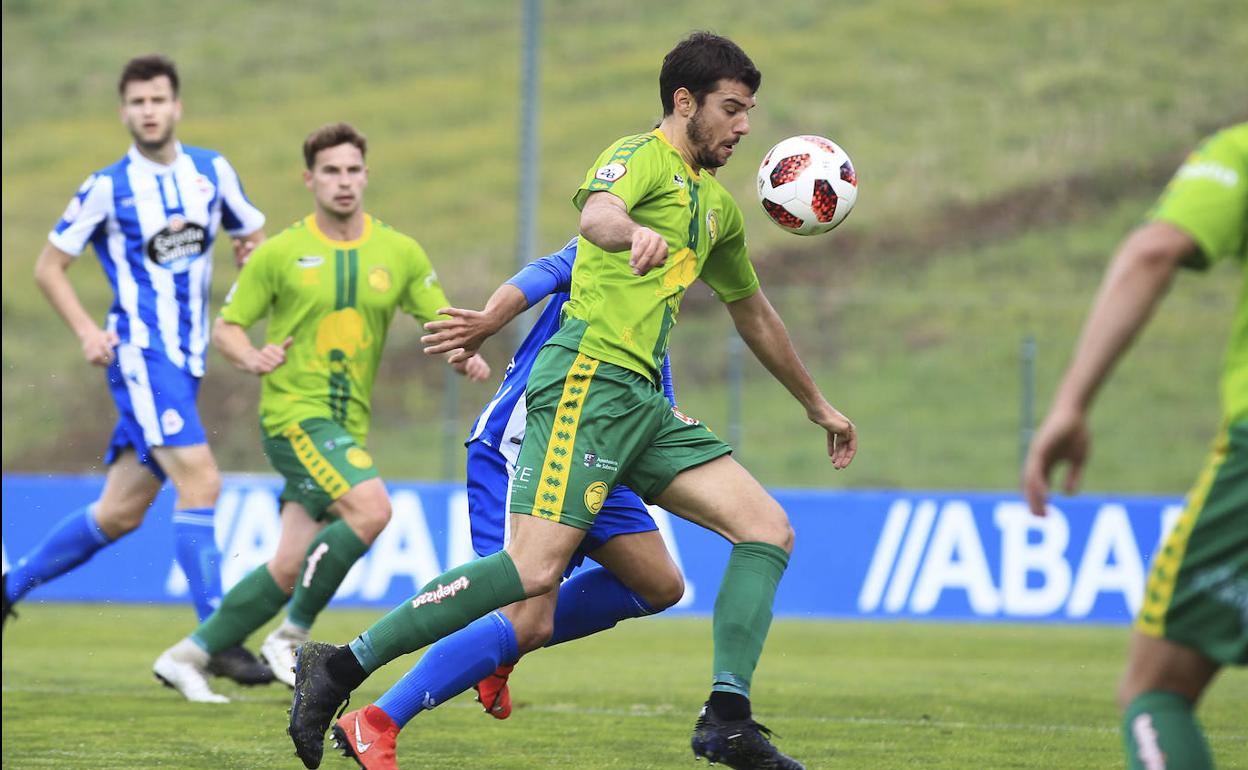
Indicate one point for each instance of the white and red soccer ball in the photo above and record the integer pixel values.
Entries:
(807, 184)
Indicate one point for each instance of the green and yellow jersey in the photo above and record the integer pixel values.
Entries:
(1208, 200)
(624, 319)
(336, 299)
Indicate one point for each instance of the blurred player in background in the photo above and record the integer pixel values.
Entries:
(638, 576)
(1194, 619)
(152, 218)
(329, 285)
(651, 223)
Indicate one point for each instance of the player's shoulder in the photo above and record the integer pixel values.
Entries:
(201, 154)
(391, 238)
(634, 146)
(290, 237)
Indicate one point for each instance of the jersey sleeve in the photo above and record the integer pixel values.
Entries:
(423, 296)
(728, 270)
(547, 275)
(252, 295)
(1208, 196)
(87, 212)
(238, 215)
(629, 169)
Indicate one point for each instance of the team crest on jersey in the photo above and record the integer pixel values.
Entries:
(379, 279)
(712, 225)
(611, 172)
(179, 244)
(205, 186)
(310, 260)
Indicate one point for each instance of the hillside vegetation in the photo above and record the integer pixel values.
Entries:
(1003, 149)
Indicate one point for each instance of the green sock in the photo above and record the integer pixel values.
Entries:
(743, 613)
(248, 605)
(329, 558)
(1160, 730)
(448, 603)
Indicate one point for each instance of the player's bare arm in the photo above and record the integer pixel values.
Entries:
(244, 245)
(467, 330)
(605, 223)
(50, 274)
(1137, 278)
(231, 339)
(762, 329)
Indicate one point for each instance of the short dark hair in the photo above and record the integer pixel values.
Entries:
(332, 135)
(699, 62)
(150, 67)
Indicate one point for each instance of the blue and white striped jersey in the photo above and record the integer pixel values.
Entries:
(152, 227)
(501, 423)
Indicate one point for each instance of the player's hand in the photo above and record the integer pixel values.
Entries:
(1063, 437)
(242, 250)
(842, 435)
(649, 250)
(268, 358)
(97, 346)
(465, 331)
(474, 368)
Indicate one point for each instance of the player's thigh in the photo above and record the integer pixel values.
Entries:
(193, 471)
(129, 490)
(642, 562)
(1160, 664)
(298, 531)
(540, 549)
(723, 497)
(365, 508)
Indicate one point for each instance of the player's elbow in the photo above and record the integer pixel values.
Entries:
(1158, 248)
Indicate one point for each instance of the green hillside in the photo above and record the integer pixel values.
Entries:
(1003, 149)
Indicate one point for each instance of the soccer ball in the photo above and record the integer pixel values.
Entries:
(807, 185)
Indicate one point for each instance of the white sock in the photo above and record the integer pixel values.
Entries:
(293, 631)
(190, 652)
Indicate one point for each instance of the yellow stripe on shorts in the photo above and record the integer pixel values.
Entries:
(1165, 571)
(319, 468)
(548, 501)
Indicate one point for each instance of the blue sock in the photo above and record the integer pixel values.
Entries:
(593, 600)
(70, 543)
(450, 667)
(195, 545)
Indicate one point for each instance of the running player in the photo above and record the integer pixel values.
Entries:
(329, 285)
(651, 223)
(152, 218)
(1194, 619)
(642, 578)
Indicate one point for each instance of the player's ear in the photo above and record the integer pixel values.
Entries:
(177, 110)
(684, 102)
(307, 178)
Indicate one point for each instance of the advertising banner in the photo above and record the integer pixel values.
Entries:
(907, 555)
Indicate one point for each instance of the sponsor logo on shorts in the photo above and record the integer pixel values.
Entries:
(359, 458)
(610, 172)
(436, 596)
(595, 496)
(686, 419)
(171, 422)
(592, 460)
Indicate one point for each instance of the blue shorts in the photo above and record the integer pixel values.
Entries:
(155, 405)
(623, 513)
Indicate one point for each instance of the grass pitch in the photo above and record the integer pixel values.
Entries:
(78, 693)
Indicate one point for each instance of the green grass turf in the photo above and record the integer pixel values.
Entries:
(78, 694)
(1003, 147)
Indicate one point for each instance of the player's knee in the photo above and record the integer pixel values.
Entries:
(118, 520)
(284, 568)
(665, 592)
(534, 634)
(366, 515)
(539, 579)
(198, 486)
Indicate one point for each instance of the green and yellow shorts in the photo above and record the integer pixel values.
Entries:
(320, 461)
(592, 425)
(1197, 592)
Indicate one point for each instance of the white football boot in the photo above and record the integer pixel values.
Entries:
(279, 649)
(183, 667)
